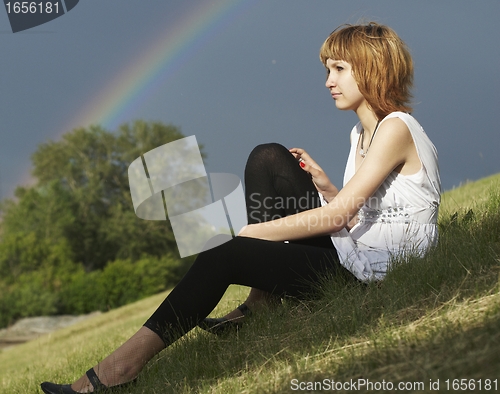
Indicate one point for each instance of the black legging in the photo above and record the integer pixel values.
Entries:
(275, 186)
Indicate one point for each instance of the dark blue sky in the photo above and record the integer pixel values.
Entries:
(253, 77)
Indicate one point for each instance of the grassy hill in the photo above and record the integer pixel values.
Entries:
(431, 323)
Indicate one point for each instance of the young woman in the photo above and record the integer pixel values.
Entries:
(301, 226)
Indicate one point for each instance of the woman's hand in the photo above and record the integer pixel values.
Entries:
(319, 178)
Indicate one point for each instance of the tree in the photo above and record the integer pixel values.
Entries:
(82, 196)
(72, 242)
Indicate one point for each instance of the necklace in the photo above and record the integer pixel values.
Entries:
(362, 151)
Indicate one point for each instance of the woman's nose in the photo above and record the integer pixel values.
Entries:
(330, 82)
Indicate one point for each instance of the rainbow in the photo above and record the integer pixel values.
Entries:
(139, 80)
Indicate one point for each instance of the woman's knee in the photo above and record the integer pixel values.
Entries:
(268, 153)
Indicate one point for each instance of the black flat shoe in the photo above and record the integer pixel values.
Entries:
(53, 388)
(221, 325)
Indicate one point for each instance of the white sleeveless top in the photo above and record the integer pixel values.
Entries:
(400, 218)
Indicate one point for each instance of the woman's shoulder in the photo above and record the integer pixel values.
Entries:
(395, 127)
(413, 127)
(405, 117)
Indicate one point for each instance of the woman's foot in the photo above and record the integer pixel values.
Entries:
(255, 300)
(223, 325)
(97, 386)
(234, 319)
(120, 367)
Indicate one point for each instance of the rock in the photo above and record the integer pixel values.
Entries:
(32, 327)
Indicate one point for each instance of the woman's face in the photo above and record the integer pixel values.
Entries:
(342, 85)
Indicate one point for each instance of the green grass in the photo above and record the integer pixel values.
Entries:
(468, 195)
(432, 318)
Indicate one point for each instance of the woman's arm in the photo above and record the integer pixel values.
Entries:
(392, 149)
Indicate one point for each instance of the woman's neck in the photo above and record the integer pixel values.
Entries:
(368, 120)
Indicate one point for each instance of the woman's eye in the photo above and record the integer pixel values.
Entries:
(339, 68)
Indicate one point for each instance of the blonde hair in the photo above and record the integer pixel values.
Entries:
(381, 64)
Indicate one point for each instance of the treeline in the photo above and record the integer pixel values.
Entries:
(72, 243)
